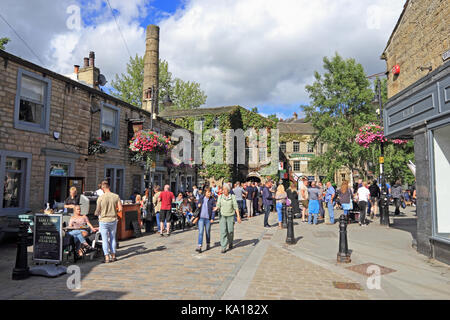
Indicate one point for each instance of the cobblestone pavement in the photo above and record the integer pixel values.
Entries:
(261, 266)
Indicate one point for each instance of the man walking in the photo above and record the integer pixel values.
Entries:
(108, 204)
(329, 200)
(249, 200)
(167, 198)
(228, 206)
(238, 192)
(267, 202)
(397, 196)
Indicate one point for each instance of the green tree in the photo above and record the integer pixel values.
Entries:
(274, 118)
(341, 104)
(129, 86)
(3, 42)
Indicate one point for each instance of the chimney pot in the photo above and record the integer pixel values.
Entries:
(91, 58)
(295, 115)
(86, 62)
(76, 69)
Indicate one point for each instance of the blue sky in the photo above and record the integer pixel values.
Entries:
(242, 52)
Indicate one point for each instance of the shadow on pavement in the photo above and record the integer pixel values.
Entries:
(138, 250)
(406, 224)
(240, 243)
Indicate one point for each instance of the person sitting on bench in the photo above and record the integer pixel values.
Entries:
(186, 209)
(77, 221)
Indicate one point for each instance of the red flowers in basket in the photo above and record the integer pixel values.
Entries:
(146, 141)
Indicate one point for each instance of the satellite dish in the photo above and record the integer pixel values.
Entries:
(102, 80)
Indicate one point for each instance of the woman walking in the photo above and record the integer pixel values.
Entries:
(280, 197)
(315, 195)
(228, 206)
(157, 206)
(293, 197)
(345, 197)
(396, 192)
(206, 204)
(363, 198)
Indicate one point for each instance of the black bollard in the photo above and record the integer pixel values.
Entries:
(384, 209)
(283, 216)
(21, 270)
(343, 255)
(290, 238)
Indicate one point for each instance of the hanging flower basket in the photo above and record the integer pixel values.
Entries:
(146, 144)
(372, 133)
(95, 146)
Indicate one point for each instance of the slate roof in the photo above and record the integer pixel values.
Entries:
(172, 114)
(298, 126)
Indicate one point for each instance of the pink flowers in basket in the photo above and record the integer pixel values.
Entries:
(371, 133)
(146, 142)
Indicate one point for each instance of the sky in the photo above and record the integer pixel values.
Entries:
(253, 53)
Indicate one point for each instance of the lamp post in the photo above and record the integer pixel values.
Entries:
(383, 203)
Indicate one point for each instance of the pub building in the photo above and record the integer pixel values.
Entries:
(418, 108)
(48, 120)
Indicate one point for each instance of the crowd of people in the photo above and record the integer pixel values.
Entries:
(310, 200)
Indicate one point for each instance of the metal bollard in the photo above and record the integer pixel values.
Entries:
(343, 255)
(283, 216)
(21, 270)
(384, 209)
(290, 238)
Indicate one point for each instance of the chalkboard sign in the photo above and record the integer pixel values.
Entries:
(47, 238)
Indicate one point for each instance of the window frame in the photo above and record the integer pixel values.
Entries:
(293, 165)
(43, 127)
(115, 143)
(283, 146)
(113, 181)
(293, 146)
(25, 187)
(310, 145)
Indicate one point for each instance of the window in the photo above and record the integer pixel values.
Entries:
(283, 146)
(262, 154)
(32, 106)
(216, 123)
(296, 166)
(115, 177)
(296, 146)
(109, 129)
(15, 168)
(310, 147)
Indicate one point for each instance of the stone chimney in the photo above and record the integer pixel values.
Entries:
(151, 67)
(295, 116)
(89, 73)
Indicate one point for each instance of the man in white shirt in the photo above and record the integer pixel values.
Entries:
(363, 198)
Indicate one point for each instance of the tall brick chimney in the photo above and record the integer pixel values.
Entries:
(89, 73)
(151, 65)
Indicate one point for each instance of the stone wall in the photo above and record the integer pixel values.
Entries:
(71, 117)
(421, 37)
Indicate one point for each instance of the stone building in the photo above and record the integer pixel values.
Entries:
(419, 108)
(224, 118)
(298, 148)
(47, 121)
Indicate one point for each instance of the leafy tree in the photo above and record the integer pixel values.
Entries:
(274, 118)
(341, 104)
(3, 42)
(129, 86)
(254, 109)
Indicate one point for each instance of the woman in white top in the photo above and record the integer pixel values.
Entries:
(363, 195)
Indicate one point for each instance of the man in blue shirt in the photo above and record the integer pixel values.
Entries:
(329, 199)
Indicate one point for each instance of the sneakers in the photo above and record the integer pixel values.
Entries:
(207, 247)
(223, 250)
(199, 249)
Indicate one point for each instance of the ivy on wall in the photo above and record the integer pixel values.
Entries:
(238, 118)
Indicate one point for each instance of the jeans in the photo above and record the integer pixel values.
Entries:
(397, 202)
(266, 215)
(79, 239)
(310, 217)
(279, 211)
(158, 222)
(108, 232)
(240, 206)
(330, 209)
(362, 212)
(204, 225)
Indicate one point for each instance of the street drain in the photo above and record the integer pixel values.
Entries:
(347, 285)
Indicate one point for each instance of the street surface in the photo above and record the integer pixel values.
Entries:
(261, 266)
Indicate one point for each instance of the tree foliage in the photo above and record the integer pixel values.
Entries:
(129, 86)
(3, 42)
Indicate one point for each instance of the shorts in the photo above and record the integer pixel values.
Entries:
(305, 203)
(165, 215)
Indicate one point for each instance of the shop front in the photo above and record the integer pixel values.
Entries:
(422, 112)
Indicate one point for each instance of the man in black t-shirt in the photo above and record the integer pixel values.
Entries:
(72, 200)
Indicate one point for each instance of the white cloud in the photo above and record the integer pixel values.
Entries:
(247, 52)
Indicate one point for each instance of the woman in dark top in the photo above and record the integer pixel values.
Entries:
(72, 200)
(345, 197)
(293, 197)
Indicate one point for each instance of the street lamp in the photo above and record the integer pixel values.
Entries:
(384, 203)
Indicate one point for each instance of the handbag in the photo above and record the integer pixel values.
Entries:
(403, 204)
(288, 202)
